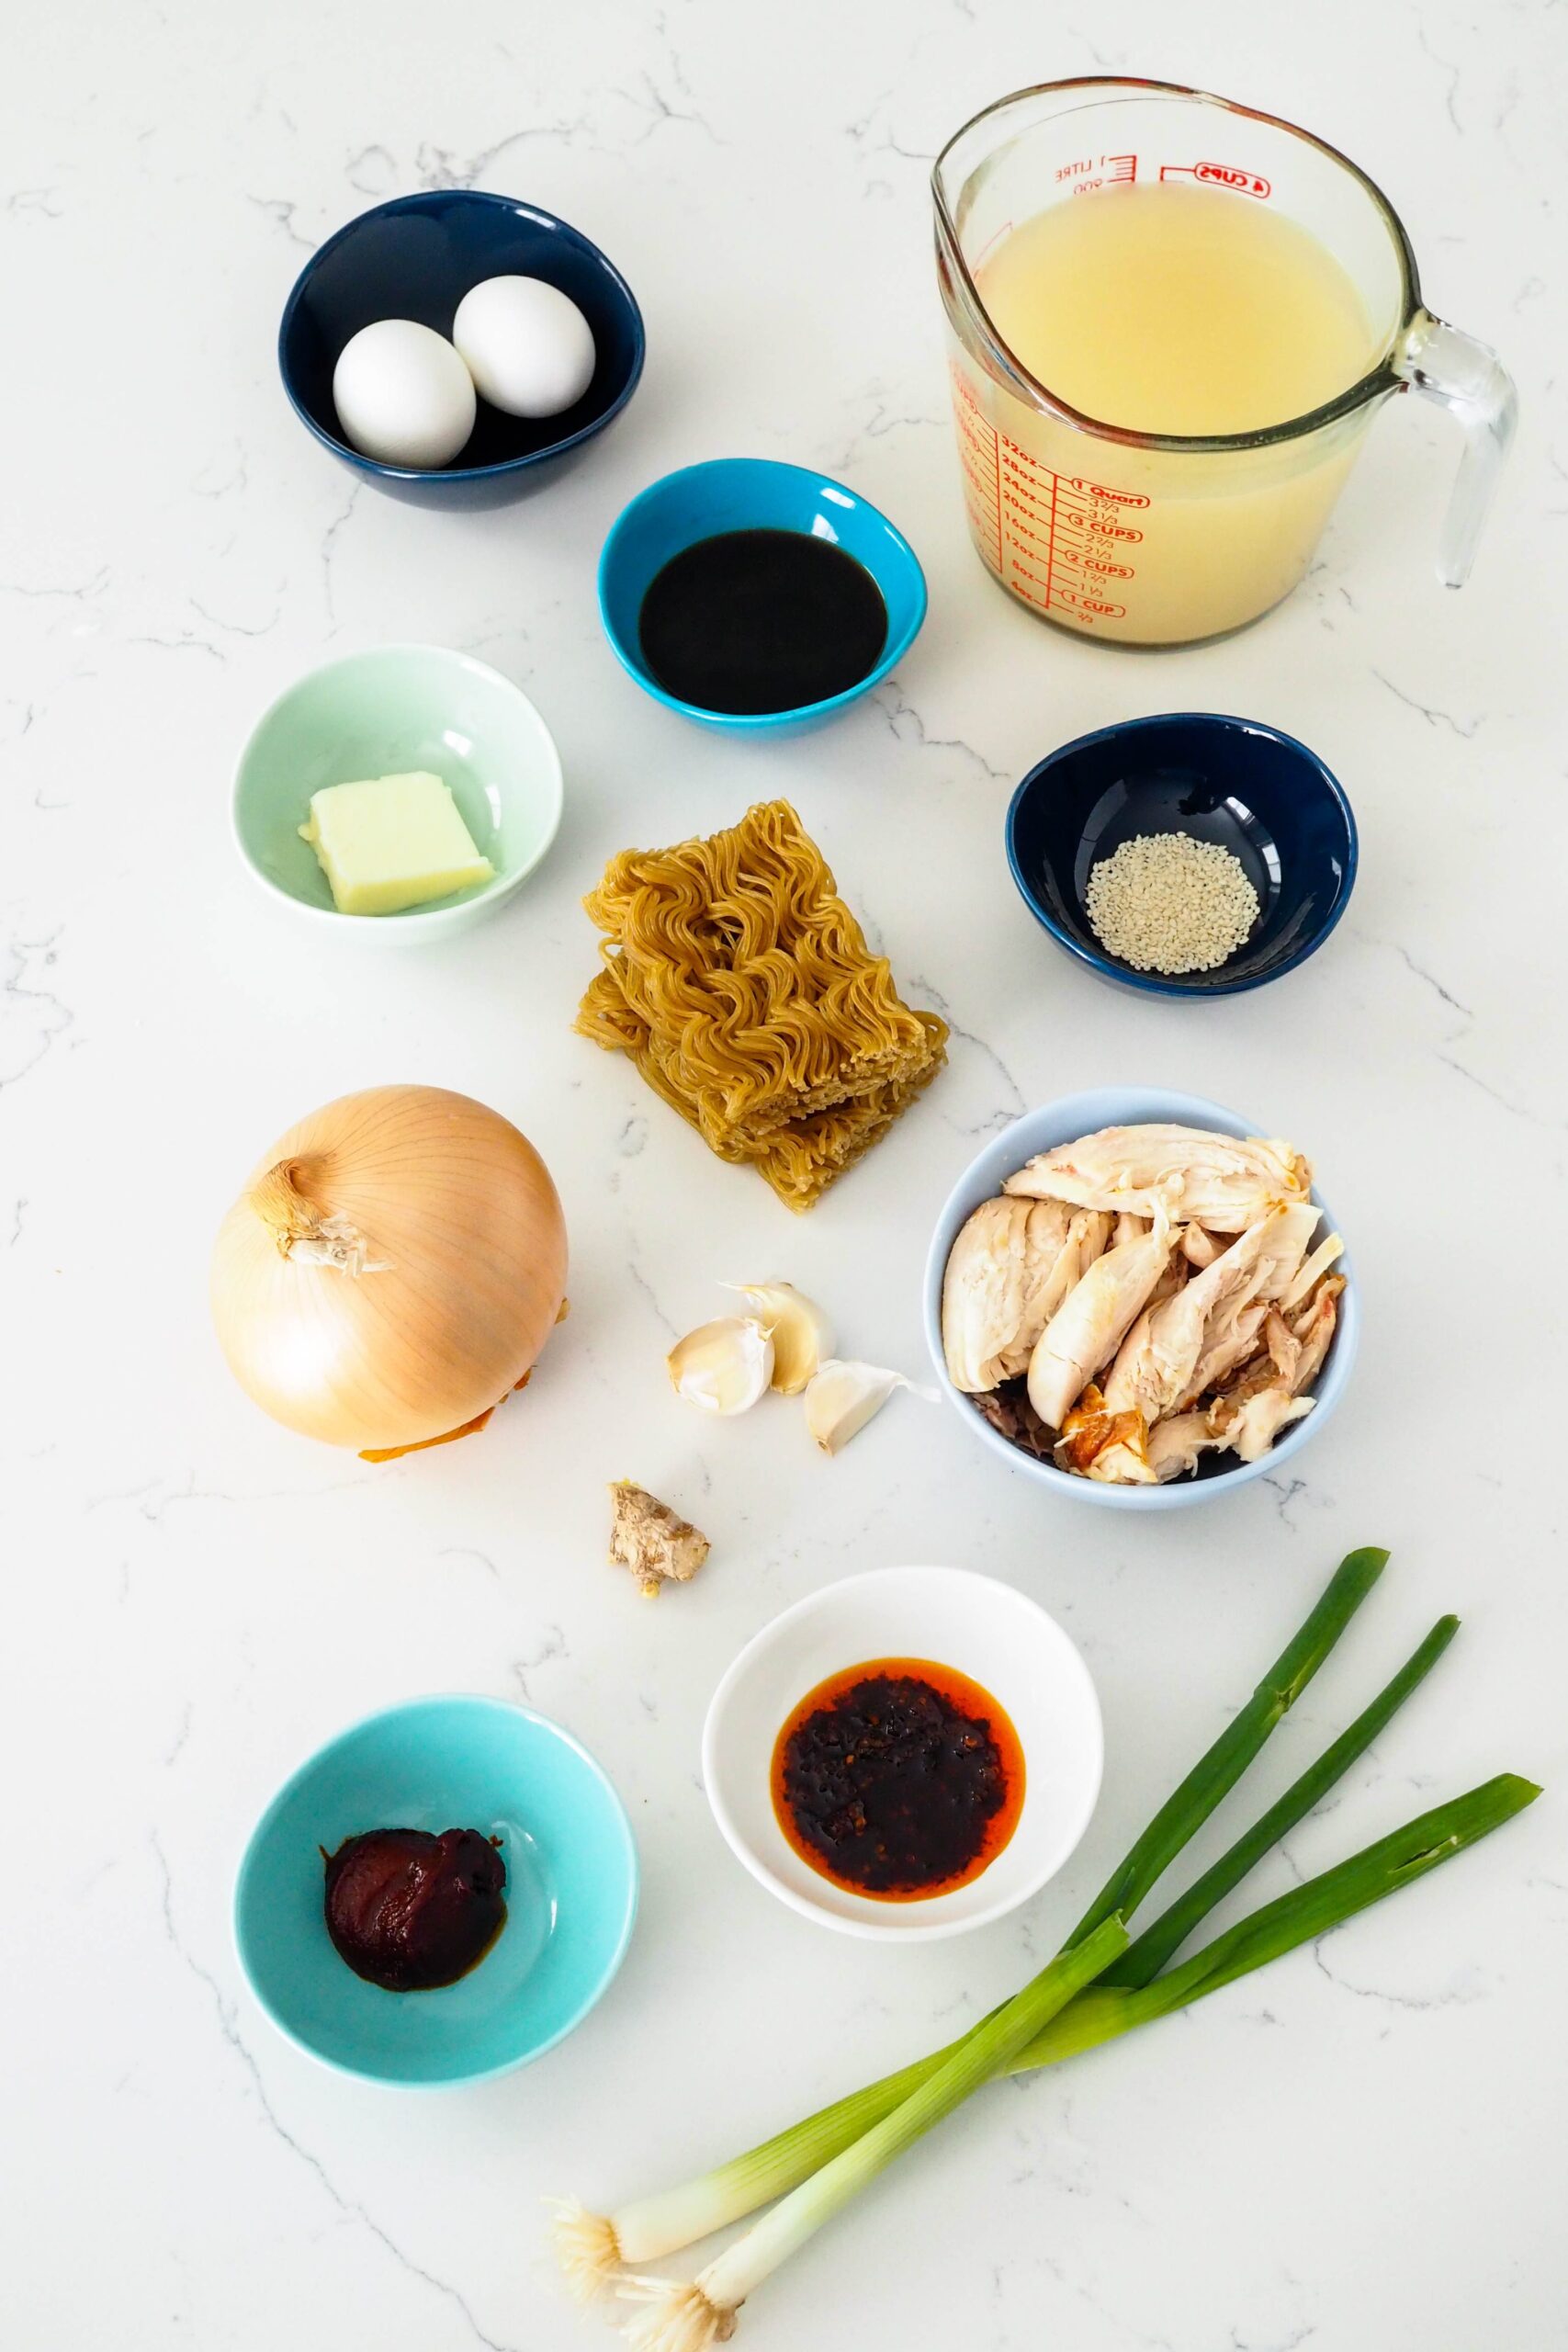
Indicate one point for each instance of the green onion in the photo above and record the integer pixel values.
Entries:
(687, 2318)
(1217, 1771)
(690, 2318)
(816, 2167)
(592, 2247)
(1300, 1916)
(1171, 1929)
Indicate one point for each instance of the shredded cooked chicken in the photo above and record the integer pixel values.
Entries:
(1093, 1319)
(1113, 1447)
(1188, 1263)
(1174, 1446)
(1161, 1353)
(1011, 1268)
(1224, 1181)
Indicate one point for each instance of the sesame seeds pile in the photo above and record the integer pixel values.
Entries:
(1164, 902)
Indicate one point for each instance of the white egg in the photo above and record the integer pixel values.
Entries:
(403, 395)
(527, 345)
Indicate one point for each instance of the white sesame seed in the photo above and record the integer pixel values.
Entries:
(1164, 902)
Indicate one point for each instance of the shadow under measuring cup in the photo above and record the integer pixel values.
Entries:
(1166, 538)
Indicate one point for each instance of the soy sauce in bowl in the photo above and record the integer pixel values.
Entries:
(755, 622)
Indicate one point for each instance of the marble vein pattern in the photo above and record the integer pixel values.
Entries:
(1361, 2150)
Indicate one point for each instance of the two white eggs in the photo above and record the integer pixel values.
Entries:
(406, 396)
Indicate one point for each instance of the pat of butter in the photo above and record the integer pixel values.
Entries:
(392, 842)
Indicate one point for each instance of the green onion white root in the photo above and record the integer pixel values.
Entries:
(1098, 1987)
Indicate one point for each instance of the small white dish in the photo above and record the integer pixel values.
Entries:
(987, 1630)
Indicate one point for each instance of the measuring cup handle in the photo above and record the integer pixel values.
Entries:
(1470, 381)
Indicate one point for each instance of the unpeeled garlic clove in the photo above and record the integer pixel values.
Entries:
(723, 1366)
(801, 1333)
(842, 1397)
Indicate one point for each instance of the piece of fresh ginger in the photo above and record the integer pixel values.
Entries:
(655, 1543)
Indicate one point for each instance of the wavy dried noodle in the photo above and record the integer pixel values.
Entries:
(741, 985)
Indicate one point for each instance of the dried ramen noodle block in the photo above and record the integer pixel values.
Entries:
(741, 985)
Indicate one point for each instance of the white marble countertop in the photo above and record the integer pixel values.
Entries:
(1362, 2149)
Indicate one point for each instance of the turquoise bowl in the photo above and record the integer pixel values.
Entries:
(385, 712)
(752, 494)
(443, 1763)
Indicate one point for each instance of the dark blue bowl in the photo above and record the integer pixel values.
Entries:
(1259, 794)
(416, 258)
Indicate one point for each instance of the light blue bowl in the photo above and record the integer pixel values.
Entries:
(1063, 1122)
(443, 1763)
(752, 494)
(385, 712)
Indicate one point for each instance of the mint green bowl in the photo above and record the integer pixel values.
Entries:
(443, 1763)
(394, 708)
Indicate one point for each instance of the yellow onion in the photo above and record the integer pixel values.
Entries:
(393, 1267)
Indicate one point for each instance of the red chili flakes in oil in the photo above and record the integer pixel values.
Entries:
(898, 1779)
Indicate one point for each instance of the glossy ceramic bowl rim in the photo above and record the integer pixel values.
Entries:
(416, 203)
(1152, 983)
(428, 920)
(295, 1780)
(874, 1930)
(760, 721)
(1191, 1110)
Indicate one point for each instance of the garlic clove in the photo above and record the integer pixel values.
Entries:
(723, 1366)
(842, 1397)
(801, 1333)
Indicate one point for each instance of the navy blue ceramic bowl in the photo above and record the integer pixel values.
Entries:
(1259, 794)
(416, 258)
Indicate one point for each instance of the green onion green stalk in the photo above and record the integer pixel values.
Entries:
(1111, 1985)
(1108, 2009)
(1220, 1767)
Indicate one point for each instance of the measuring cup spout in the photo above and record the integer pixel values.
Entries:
(1470, 381)
(1162, 487)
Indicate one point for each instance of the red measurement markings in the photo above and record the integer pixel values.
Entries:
(1101, 490)
(980, 457)
(1087, 172)
(977, 260)
(997, 469)
(1024, 550)
(1060, 539)
(1219, 175)
(1051, 541)
(1085, 517)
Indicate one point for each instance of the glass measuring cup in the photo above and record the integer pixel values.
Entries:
(1159, 538)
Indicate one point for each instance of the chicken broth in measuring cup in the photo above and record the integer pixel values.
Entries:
(1173, 309)
(1170, 309)
(1171, 322)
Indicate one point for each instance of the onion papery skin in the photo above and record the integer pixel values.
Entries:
(466, 1275)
